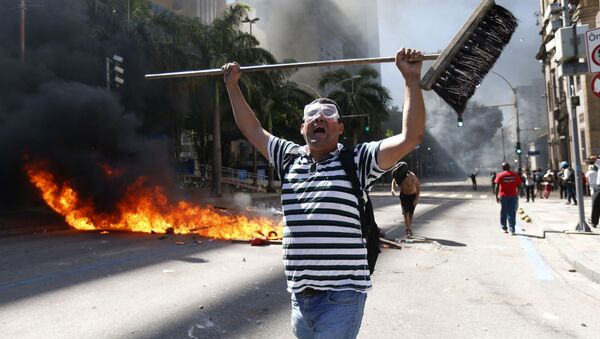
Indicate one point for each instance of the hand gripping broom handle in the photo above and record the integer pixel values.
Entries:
(218, 71)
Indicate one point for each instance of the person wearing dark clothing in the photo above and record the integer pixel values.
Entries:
(410, 188)
(529, 186)
(493, 176)
(569, 180)
(473, 177)
(596, 199)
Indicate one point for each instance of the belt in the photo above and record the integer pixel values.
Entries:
(310, 292)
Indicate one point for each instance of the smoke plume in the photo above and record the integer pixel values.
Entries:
(55, 107)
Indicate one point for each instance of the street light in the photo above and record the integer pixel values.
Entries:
(250, 21)
(514, 90)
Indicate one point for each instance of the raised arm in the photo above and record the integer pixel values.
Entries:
(244, 116)
(392, 149)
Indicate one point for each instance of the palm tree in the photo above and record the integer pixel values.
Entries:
(283, 106)
(358, 94)
(224, 42)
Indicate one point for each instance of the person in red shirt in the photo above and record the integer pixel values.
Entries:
(507, 194)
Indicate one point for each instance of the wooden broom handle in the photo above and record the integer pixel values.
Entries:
(218, 71)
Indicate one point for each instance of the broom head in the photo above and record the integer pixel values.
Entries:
(470, 55)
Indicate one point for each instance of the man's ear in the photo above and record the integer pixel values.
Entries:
(301, 128)
(341, 128)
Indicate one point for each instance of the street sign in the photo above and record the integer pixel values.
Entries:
(596, 85)
(533, 152)
(592, 42)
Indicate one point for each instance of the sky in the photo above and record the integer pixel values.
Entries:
(429, 25)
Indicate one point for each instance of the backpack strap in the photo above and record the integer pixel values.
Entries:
(349, 166)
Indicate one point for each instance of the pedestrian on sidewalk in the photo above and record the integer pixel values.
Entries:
(522, 184)
(548, 183)
(569, 180)
(493, 176)
(410, 189)
(562, 184)
(529, 185)
(321, 218)
(473, 177)
(538, 177)
(507, 194)
(592, 178)
(596, 198)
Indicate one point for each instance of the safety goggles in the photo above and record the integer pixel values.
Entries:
(312, 112)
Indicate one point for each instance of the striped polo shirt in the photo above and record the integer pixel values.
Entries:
(322, 240)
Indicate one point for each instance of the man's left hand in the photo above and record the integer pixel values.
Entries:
(407, 61)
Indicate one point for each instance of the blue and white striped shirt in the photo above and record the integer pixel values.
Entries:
(322, 240)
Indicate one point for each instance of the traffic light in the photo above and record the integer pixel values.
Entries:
(460, 122)
(518, 148)
(366, 127)
(114, 74)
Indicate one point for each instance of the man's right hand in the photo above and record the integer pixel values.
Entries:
(231, 73)
(393, 193)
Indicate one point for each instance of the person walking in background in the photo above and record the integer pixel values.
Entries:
(473, 177)
(529, 185)
(538, 177)
(569, 180)
(596, 197)
(493, 176)
(507, 194)
(410, 189)
(522, 184)
(592, 178)
(584, 184)
(548, 183)
(561, 184)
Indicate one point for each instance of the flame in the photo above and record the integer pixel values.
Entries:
(146, 209)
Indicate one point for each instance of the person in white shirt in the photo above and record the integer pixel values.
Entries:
(592, 177)
(595, 199)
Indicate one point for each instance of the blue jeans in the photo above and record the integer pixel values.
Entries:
(508, 212)
(330, 314)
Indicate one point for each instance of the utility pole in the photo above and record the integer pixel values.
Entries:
(582, 225)
(518, 128)
(23, 8)
(503, 148)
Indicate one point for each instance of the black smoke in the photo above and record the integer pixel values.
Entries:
(55, 107)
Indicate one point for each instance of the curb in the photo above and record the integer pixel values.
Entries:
(581, 263)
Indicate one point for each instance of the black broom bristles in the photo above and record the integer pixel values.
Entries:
(455, 80)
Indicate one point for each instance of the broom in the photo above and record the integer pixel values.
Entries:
(456, 72)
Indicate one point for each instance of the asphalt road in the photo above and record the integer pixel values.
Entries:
(466, 279)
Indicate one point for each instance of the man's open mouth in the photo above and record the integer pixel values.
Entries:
(318, 129)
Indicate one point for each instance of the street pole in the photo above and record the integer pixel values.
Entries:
(517, 123)
(516, 105)
(108, 74)
(23, 7)
(582, 226)
(503, 146)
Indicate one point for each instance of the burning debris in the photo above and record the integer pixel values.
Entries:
(146, 208)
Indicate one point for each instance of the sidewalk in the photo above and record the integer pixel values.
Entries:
(555, 221)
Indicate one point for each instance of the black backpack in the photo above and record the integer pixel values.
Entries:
(369, 228)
